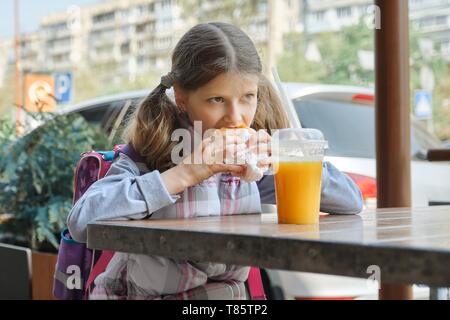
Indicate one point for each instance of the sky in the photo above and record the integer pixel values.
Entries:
(31, 11)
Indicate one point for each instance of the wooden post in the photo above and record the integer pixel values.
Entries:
(393, 117)
(42, 272)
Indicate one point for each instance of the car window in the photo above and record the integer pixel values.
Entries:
(349, 128)
(423, 137)
(105, 115)
(117, 119)
(134, 103)
(97, 114)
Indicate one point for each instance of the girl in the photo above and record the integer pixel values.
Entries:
(217, 79)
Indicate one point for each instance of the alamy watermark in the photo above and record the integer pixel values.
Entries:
(73, 281)
(220, 146)
(372, 18)
(373, 282)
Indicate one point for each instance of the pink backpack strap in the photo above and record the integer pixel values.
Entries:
(98, 268)
(255, 284)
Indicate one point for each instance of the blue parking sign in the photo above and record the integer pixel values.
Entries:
(423, 107)
(63, 87)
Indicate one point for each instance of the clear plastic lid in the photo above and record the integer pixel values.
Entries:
(297, 144)
(299, 134)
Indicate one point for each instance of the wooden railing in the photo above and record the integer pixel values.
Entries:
(438, 155)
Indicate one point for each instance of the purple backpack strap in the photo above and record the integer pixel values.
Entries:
(129, 151)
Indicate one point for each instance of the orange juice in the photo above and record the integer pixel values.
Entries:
(297, 188)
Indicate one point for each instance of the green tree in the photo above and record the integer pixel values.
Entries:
(7, 130)
(441, 103)
(441, 93)
(237, 12)
(292, 65)
(100, 79)
(339, 57)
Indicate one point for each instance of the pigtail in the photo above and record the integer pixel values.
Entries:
(156, 114)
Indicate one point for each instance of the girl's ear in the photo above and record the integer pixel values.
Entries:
(181, 97)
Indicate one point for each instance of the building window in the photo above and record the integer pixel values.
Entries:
(51, 29)
(364, 8)
(262, 7)
(441, 20)
(166, 4)
(416, 3)
(124, 14)
(61, 58)
(344, 12)
(126, 31)
(140, 28)
(445, 46)
(432, 21)
(125, 48)
(319, 15)
(103, 17)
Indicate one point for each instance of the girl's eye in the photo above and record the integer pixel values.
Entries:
(249, 97)
(216, 100)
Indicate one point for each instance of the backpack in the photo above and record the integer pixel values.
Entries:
(77, 266)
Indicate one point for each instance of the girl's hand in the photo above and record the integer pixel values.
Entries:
(260, 144)
(208, 159)
(211, 156)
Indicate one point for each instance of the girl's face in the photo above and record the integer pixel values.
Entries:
(229, 100)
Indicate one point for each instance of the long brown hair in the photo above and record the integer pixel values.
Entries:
(204, 52)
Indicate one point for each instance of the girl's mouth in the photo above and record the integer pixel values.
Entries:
(241, 126)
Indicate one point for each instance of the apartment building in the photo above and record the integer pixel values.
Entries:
(134, 36)
(265, 24)
(333, 15)
(129, 35)
(140, 34)
(430, 17)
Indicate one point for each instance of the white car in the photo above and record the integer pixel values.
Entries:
(345, 114)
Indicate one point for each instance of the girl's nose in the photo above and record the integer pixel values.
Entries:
(233, 113)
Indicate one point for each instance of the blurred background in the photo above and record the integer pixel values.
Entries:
(75, 69)
(113, 46)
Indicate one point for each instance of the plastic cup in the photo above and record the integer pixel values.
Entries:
(297, 159)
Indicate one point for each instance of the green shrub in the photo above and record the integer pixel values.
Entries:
(7, 131)
(36, 178)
